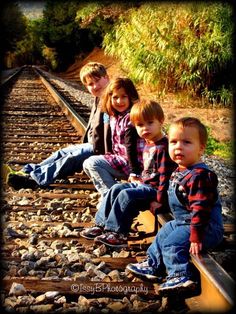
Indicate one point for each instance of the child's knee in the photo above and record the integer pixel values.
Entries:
(86, 164)
(92, 163)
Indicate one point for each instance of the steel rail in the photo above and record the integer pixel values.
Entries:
(76, 120)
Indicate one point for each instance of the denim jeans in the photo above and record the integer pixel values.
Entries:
(171, 244)
(60, 164)
(102, 174)
(122, 204)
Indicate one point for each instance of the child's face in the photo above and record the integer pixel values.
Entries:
(150, 130)
(96, 85)
(120, 100)
(184, 145)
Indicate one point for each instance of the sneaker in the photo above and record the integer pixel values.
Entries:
(7, 170)
(143, 269)
(112, 239)
(19, 181)
(91, 233)
(176, 284)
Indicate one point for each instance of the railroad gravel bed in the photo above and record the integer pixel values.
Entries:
(224, 170)
(64, 257)
(73, 88)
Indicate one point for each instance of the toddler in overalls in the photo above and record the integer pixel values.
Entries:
(196, 208)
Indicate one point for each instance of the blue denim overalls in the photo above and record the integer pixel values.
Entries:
(171, 245)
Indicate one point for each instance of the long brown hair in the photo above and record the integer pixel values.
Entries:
(116, 84)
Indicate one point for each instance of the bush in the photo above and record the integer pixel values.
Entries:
(179, 46)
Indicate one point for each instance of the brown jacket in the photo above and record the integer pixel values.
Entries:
(101, 132)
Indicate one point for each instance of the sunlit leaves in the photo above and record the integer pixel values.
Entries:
(175, 45)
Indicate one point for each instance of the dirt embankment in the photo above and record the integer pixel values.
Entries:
(219, 120)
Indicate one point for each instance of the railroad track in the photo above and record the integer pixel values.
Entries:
(41, 246)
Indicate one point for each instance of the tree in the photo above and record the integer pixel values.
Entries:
(13, 27)
(29, 50)
(61, 32)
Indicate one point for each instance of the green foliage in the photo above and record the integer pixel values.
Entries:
(175, 46)
(87, 13)
(224, 150)
(51, 57)
(99, 18)
(223, 96)
(59, 22)
(61, 32)
(220, 149)
(29, 50)
(13, 27)
(178, 47)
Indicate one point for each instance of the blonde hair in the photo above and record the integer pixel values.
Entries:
(146, 110)
(92, 70)
(196, 123)
(115, 84)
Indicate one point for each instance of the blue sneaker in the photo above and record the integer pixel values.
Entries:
(143, 269)
(177, 284)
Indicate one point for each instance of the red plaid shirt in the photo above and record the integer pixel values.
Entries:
(158, 167)
(199, 194)
(121, 159)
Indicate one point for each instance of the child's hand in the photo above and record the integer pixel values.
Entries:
(134, 179)
(195, 247)
(154, 207)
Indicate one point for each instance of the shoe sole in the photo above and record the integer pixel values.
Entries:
(87, 237)
(111, 245)
(177, 289)
(150, 277)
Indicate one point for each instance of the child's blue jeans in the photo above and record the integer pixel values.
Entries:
(122, 204)
(170, 248)
(60, 164)
(103, 175)
(171, 244)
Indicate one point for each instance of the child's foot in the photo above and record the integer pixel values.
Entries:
(20, 181)
(112, 239)
(176, 284)
(6, 171)
(143, 269)
(92, 232)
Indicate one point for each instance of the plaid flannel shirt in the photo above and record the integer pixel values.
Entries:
(158, 167)
(198, 194)
(118, 159)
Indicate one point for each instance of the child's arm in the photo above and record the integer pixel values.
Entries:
(154, 207)
(165, 167)
(107, 133)
(202, 194)
(131, 139)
